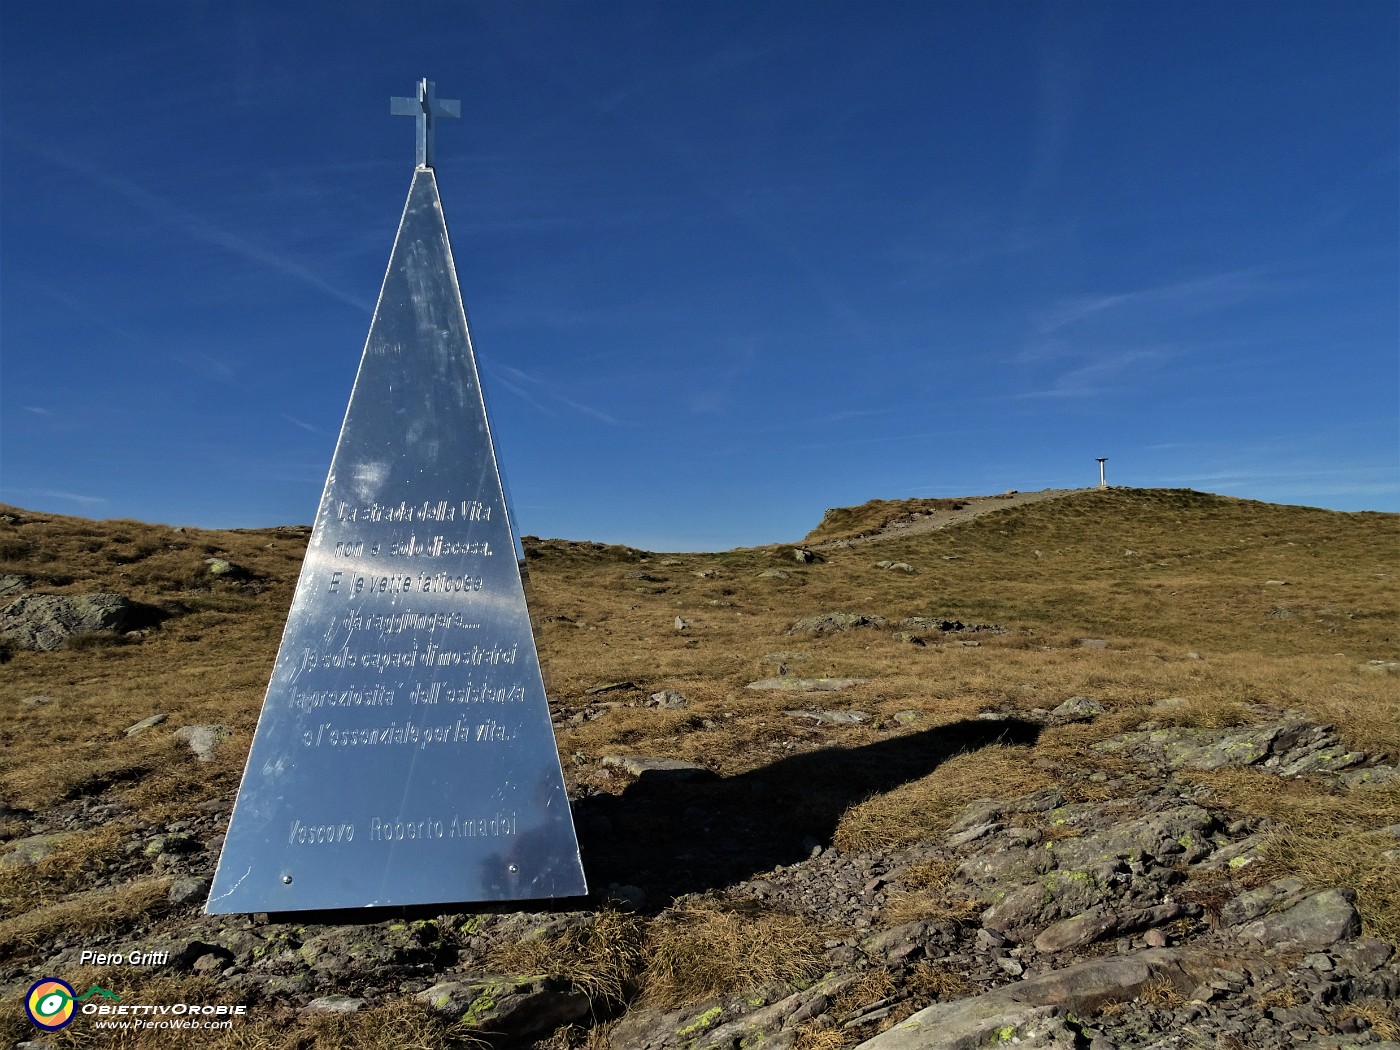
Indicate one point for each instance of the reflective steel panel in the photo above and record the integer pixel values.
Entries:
(404, 753)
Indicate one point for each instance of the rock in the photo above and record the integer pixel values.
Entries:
(1261, 900)
(1084, 928)
(908, 717)
(650, 768)
(972, 834)
(1381, 667)
(209, 965)
(935, 623)
(1030, 883)
(829, 623)
(1000, 1016)
(45, 621)
(36, 701)
(895, 566)
(23, 853)
(1093, 643)
(668, 699)
(9, 812)
(803, 556)
(145, 724)
(505, 1009)
(11, 584)
(758, 1028)
(774, 574)
(226, 569)
(897, 944)
(1098, 923)
(1365, 955)
(1175, 832)
(1369, 776)
(186, 890)
(965, 1024)
(808, 685)
(334, 1004)
(1317, 921)
(1236, 855)
(681, 624)
(1290, 747)
(838, 718)
(203, 739)
(609, 687)
(1077, 709)
(655, 1028)
(170, 844)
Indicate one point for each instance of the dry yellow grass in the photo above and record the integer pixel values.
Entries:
(95, 913)
(705, 948)
(1381, 1017)
(924, 808)
(602, 957)
(1162, 993)
(1330, 838)
(75, 863)
(1157, 574)
(876, 514)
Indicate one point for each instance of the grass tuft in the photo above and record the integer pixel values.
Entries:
(704, 949)
(601, 957)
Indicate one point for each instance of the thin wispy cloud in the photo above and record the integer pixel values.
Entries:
(588, 410)
(37, 410)
(1109, 371)
(522, 383)
(1209, 292)
(294, 421)
(200, 229)
(72, 497)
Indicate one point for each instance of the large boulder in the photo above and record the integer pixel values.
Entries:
(46, 621)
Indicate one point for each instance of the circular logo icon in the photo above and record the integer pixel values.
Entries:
(49, 1004)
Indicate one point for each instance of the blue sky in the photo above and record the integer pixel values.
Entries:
(726, 264)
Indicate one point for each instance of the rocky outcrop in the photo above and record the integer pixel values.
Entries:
(47, 621)
(1033, 1012)
(830, 623)
(504, 1010)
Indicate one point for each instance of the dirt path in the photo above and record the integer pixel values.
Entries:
(973, 507)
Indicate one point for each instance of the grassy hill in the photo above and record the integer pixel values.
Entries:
(1228, 604)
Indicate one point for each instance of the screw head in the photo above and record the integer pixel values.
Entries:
(513, 868)
(286, 880)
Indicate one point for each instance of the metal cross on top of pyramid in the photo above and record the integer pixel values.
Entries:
(427, 107)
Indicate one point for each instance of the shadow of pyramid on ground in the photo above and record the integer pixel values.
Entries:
(671, 837)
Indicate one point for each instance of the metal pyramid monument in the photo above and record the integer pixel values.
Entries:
(404, 754)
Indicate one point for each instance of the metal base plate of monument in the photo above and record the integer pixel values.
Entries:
(404, 754)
